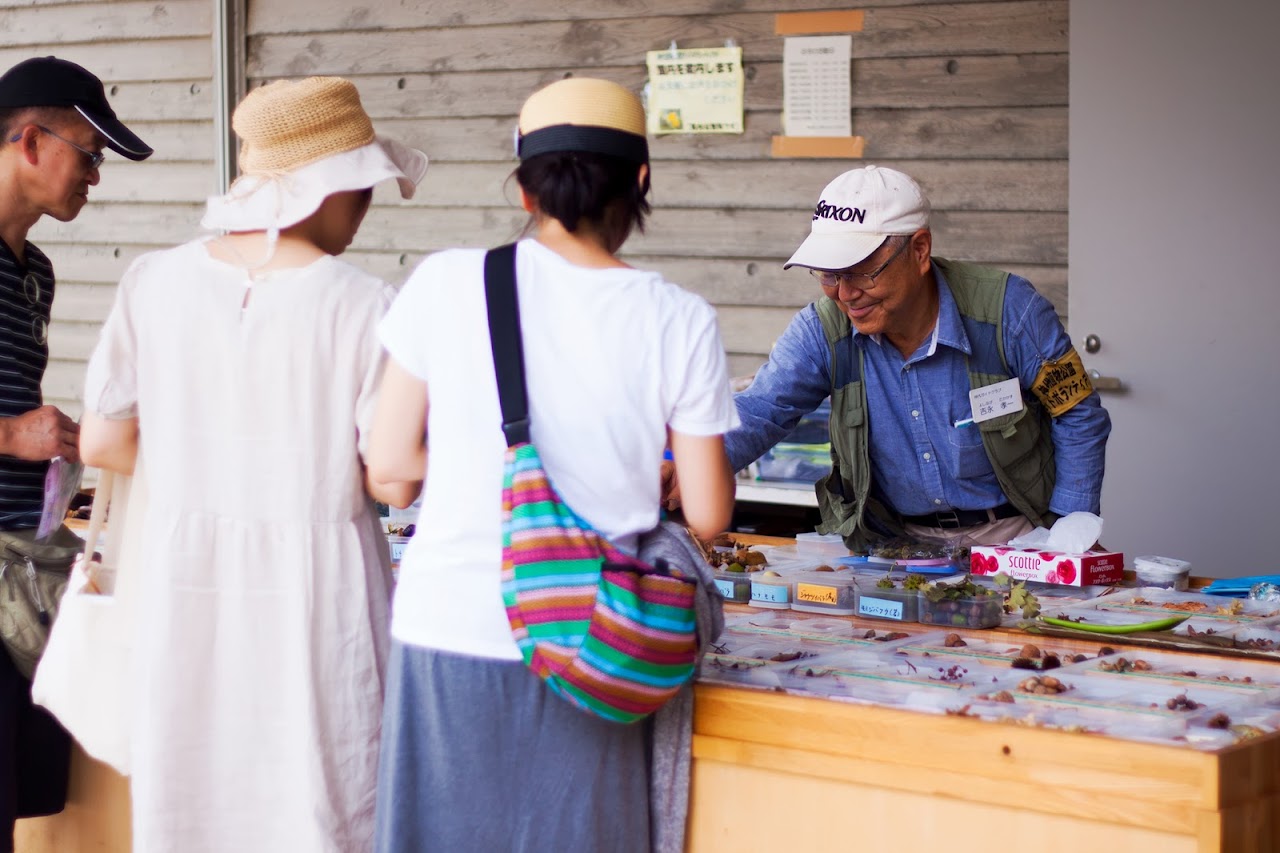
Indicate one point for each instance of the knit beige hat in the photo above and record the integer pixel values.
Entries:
(302, 141)
(583, 114)
(287, 124)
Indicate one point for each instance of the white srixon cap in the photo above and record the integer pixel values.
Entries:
(854, 215)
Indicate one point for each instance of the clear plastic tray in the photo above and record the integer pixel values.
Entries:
(1000, 652)
(813, 630)
(1143, 666)
(881, 679)
(1101, 721)
(1216, 616)
(1230, 728)
(1264, 637)
(751, 660)
(1170, 602)
(1155, 699)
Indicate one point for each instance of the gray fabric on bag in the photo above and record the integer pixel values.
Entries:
(672, 726)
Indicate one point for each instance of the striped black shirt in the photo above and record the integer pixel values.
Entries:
(26, 294)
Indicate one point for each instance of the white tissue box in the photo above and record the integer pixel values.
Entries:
(1088, 569)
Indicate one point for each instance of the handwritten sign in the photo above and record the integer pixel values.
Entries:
(816, 86)
(697, 90)
(816, 593)
(772, 593)
(880, 608)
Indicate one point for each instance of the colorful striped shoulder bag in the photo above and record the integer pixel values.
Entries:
(609, 633)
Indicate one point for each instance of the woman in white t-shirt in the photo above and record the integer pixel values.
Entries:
(477, 753)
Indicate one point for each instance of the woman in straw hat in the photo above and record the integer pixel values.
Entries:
(243, 367)
(479, 754)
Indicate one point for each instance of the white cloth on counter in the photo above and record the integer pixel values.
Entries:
(612, 356)
(263, 631)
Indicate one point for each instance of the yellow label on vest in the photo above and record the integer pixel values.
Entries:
(1062, 383)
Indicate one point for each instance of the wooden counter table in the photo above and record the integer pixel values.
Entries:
(779, 772)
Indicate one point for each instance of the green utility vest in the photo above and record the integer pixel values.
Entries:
(1019, 444)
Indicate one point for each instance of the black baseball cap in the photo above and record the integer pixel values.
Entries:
(47, 81)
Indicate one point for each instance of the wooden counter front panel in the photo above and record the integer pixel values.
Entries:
(738, 808)
(772, 769)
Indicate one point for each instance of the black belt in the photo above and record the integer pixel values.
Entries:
(954, 518)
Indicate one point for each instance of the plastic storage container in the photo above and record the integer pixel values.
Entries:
(981, 608)
(824, 544)
(771, 590)
(734, 586)
(897, 605)
(824, 592)
(1163, 572)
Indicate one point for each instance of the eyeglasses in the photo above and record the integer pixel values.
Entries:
(95, 157)
(860, 280)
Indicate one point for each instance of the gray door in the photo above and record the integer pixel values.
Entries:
(1174, 225)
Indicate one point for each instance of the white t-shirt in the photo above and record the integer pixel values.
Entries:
(612, 357)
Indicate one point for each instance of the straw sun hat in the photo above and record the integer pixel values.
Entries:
(302, 141)
(583, 114)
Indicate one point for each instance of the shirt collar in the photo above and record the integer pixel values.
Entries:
(949, 330)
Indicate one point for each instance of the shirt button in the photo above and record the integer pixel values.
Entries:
(937, 501)
(915, 414)
(927, 457)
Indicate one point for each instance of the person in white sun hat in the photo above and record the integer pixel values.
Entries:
(243, 369)
(899, 339)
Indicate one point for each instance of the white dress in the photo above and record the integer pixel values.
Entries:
(263, 630)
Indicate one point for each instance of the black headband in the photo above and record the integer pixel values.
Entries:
(573, 137)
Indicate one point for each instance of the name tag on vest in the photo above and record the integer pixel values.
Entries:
(992, 401)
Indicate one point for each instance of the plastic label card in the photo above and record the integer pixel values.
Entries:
(773, 593)
(880, 607)
(816, 593)
(992, 401)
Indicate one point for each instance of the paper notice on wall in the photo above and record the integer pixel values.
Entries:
(698, 90)
(816, 89)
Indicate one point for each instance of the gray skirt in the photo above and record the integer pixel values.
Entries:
(480, 755)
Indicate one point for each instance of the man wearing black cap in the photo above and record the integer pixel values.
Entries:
(54, 122)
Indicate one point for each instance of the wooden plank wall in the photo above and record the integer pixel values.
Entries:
(970, 97)
(156, 59)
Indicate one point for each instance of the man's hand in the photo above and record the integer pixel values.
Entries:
(670, 486)
(41, 434)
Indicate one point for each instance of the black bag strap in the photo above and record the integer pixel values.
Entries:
(504, 336)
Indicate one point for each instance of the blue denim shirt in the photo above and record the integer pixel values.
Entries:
(921, 462)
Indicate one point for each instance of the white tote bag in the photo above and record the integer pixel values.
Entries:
(85, 677)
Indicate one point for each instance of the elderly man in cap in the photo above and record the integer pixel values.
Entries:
(54, 123)
(960, 412)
